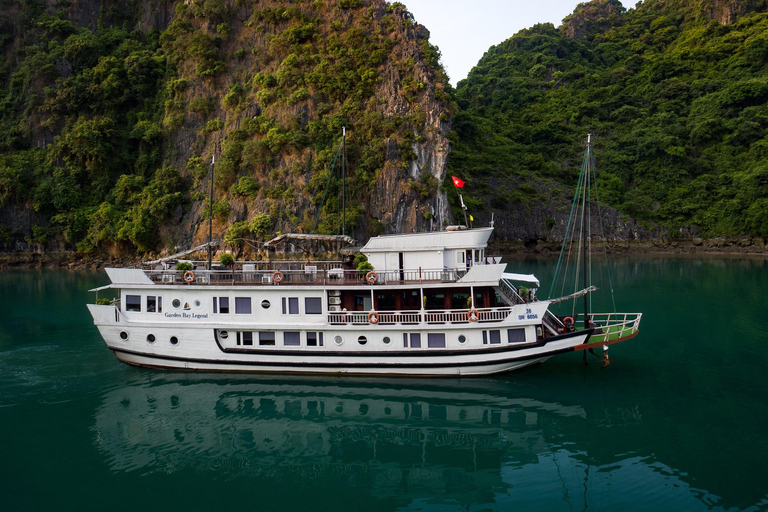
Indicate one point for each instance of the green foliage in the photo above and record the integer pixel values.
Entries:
(183, 266)
(678, 104)
(226, 260)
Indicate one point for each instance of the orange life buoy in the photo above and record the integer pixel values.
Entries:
(473, 315)
(373, 317)
(371, 277)
(568, 322)
(189, 276)
(277, 277)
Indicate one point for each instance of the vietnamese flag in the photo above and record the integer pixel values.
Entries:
(457, 182)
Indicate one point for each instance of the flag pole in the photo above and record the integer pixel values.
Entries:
(464, 208)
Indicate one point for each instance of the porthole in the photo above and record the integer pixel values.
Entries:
(362, 340)
(386, 340)
(197, 303)
(338, 340)
(123, 335)
(176, 303)
(265, 304)
(151, 338)
(462, 339)
(174, 340)
(223, 335)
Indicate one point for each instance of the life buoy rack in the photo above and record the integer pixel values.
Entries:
(373, 317)
(371, 277)
(189, 276)
(473, 315)
(277, 277)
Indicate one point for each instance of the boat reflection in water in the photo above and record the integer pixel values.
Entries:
(467, 441)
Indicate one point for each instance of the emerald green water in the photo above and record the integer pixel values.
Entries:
(676, 422)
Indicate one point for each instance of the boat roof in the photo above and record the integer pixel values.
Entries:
(435, 240)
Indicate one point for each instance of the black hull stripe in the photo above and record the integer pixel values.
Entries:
(341, 365)
(395, 354)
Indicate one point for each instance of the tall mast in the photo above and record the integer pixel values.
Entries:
(585, 226)
(343, 181)
(210, 215)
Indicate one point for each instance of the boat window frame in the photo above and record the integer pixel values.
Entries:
(133, 303)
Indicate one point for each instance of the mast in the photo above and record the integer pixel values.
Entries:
(343, 181)
(585, 237)
(210, 215)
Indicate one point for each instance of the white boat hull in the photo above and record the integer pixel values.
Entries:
(198, 349)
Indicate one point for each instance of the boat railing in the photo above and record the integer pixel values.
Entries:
(464, 316)
(510, 292)
(308, 275)
(612, 327)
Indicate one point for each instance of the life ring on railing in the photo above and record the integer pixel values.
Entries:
(277, 277)
(189, 276)
(373, 317)
(473, 315)
(568, 323)
(371, 277)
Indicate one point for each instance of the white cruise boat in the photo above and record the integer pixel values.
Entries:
(433, 305)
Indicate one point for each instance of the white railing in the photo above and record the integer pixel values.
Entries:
(610, 327)
(417, 317)
(308, 275)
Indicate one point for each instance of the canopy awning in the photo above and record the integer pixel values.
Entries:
(526, 278)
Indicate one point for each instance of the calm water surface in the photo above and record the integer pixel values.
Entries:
(678, 421)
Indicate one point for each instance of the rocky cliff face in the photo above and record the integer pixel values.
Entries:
(265, 86)
(271, 56)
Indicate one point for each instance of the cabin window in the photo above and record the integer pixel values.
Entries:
(154, 304)
(133, 302)
(245, 338)
(436, 340)
(266, 338)
(362, 340)
(221, 305)
(485, 337)
(515, 335)
(313, 306)
(292, 339)
(462, 339)
(460, 301)
(495, 337)
(414, 338)
(460, 257)
(385, 302)
(290, 305)
(314, 339)
(434, 301)
(242, 305)
(265, 304)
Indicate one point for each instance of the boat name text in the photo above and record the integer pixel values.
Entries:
(186, 315)
(529, 315)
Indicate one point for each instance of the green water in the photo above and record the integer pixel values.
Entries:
(676, 422)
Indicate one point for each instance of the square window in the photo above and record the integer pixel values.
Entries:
(151, 304)
(495, 337)
(266, 338)
(242, 305)
(224, 305)
(292, 339)
(133, 302)
(311, 339)
(313, 306)
(293, 305)
(515, 335)
(415, 340)
(247, 338)
(436, 340)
